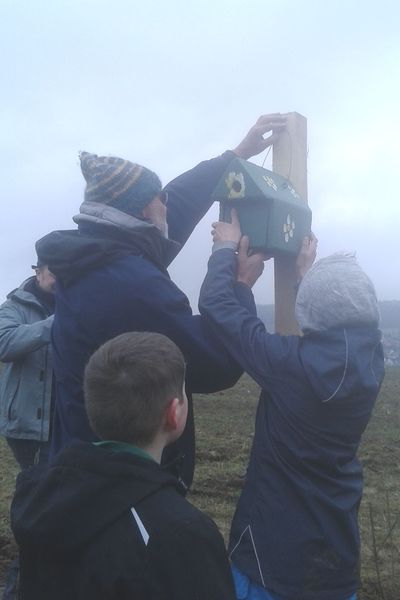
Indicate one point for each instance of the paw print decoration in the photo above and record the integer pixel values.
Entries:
(269, 181)
(288, 228)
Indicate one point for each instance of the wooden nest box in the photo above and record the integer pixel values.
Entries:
(269, 209)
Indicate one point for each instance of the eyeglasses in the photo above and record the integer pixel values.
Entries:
(163, 195)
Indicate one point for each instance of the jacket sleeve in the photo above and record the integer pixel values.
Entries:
(224, 303)
(209, 366)
(189, 196)
(18, 338)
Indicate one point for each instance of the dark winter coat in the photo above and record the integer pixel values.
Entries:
(108, 286)
(105, 525)
(295, 529)
(26, 375)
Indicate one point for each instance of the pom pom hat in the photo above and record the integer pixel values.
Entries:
(119, 183)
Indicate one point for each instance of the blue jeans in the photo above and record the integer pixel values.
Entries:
(246, 590)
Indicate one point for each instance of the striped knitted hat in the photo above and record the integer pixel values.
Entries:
(119, 183)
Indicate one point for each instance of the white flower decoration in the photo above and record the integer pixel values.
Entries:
(288, 228)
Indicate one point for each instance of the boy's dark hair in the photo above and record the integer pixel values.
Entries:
(128, 383)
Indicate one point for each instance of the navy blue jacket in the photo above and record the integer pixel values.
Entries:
(295, 529)
(100, 524)
(133, 294)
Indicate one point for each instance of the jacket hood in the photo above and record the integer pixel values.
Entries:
(72, 253)
(336, 292)
(95, 483)
(104, 235)
(335, 362)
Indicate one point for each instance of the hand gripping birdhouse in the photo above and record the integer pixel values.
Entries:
(269, 209)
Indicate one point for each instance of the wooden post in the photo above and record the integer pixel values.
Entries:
(289, 159)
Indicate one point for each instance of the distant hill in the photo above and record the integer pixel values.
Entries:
(389, 309)
(390, 314)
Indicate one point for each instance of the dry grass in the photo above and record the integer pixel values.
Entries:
(8, 472)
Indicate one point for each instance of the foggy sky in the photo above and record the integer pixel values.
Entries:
(168, 84)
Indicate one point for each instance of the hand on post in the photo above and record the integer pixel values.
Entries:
(254, 142)
(306, 256)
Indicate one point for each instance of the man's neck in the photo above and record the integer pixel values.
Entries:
(155, 449)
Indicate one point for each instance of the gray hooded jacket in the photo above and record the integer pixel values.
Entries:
(26, 375)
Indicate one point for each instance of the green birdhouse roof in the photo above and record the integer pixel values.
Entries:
(243, 180)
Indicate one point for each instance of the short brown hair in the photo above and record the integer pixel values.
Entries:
(128, 384)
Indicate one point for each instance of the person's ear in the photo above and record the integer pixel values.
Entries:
(172, 415)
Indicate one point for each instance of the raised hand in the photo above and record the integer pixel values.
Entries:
(254, 142)
(249, 268)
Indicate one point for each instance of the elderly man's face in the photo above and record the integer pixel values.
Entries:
(156, 212)
(45, 279)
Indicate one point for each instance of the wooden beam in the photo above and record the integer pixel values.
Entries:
(289, 159)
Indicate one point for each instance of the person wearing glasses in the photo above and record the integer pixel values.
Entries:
(112, 278)
(26, 388)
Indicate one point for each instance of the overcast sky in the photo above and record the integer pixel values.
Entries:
(169, 83)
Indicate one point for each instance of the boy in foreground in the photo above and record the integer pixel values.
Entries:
(106, 521)
(295, 535)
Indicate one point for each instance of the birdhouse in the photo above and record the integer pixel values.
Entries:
(269, 209)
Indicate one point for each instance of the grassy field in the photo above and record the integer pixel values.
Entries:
(8, 472)
(224, 424)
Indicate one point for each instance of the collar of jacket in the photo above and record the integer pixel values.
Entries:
(108, 216)
(25, 297)
(124, 447)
